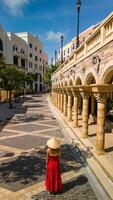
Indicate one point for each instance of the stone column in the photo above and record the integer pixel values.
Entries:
(101, 114)
(62, 102)
(92, 104)
(85, 96)
(92, 109)
(58, 99)
(52, 97)
(79, 104)
(55, 99)
(69, 106)
(65, 104)
(75, 116)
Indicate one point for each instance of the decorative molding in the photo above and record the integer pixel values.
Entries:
(85, 95)
(76, 94)
(96, 60)
(101, 97)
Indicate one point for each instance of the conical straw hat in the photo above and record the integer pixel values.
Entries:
(53, 143)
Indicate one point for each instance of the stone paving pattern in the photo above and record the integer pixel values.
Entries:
(23, 136)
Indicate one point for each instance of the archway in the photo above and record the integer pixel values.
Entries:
(70, 83)
(108, 79)
(78, 81)
(89, 80)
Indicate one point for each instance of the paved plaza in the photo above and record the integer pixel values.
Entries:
(23, 136)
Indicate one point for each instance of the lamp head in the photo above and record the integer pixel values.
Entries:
(78, 4)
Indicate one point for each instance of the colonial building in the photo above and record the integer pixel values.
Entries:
(26, 51)
(83, 84)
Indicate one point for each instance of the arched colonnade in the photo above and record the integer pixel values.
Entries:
(74, 97)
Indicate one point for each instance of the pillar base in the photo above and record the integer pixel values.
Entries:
(75, 126)
(99, 153)
(85, 136)
(69, 120)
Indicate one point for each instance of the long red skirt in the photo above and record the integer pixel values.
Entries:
(53, 180)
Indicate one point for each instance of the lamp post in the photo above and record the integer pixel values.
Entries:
(55, 56)
(62, 40)
(78, 5)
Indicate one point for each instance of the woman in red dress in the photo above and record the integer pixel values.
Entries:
(53, 180)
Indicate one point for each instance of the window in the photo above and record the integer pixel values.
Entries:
(40, 68)
(30, 45)
(22, 63)
(68, 50)
(30, 64)
(36, 58)
(15, 60)
(1, 45)
(40, 59)
(30, 55)
(40, 51)
(35, 65)
(35, 48)
(15, 48)
(22, 51)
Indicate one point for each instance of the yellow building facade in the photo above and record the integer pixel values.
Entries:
(83, 83)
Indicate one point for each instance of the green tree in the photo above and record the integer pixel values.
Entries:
(9, 80)
(2, 62)
(29, 79)
(47, 76)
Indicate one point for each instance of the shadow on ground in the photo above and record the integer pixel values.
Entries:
(30, 169)
(74, 189)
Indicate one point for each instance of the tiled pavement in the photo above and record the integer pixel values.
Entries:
(22, 155)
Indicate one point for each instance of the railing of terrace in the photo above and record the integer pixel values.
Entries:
(100, 37)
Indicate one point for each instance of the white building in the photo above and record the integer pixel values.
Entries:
(18, 51)
(26, 51)
(37, 59)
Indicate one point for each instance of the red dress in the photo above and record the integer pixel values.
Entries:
(53, 181)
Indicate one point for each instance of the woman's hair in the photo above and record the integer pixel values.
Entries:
(54, 152)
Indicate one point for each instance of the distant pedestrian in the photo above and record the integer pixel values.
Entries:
(53, 180)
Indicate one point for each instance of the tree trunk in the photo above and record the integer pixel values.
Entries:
(10, 100)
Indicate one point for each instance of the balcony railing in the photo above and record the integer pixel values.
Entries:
(100, 37)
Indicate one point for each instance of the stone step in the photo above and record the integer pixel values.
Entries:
(106, 184)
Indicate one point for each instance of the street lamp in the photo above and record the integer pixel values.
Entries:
(78, 5)
(55, 56)
(62, 40)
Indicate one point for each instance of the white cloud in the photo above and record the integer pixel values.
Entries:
(14, 7)
(53, 35)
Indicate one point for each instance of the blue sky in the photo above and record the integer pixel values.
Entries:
(50, 18)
